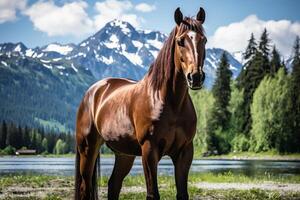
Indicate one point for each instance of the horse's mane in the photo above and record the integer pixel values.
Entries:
(161, 70)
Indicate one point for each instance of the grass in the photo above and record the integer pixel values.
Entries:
(34, 181)
(166, 186)
(45, 180)
(229, 177)
(211, 178)
(269, 155)
(196, 193)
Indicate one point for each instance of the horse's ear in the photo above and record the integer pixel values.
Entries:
(201, 15)
(178, 16)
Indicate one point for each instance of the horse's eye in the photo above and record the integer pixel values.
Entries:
(181, 42)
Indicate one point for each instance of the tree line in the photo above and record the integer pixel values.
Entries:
(14, 137)
(44, 140)
(259, 111)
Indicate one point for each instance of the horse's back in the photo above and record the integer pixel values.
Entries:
(96, 95)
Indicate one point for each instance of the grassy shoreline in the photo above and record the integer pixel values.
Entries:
(60, 187)
(256, 156)
(230, 156)
(137, 180)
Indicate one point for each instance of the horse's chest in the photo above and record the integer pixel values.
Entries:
(176, 132)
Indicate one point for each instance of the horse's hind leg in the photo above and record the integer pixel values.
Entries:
(182, 162)
(88, 148)
(123, 164)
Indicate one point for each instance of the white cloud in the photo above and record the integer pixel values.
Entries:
(235, 36)
(114, 9)
(143, 7)
(69, 19)
(72, 18)
(8, 9)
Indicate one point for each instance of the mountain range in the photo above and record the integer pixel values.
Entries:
(44, 85)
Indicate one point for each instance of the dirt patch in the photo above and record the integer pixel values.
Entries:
(22, 192)
(248, 186)
(66, 191)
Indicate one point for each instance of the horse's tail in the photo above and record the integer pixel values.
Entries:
(95, 177)
(77, 175)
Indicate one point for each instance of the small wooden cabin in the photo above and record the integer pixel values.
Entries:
(26, 152)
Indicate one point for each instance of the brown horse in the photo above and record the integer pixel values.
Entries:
(150, 118)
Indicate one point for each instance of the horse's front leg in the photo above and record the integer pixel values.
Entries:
(150, 158)
(182, 162)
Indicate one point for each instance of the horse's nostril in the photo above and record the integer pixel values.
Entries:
(196, 77)
(189, 77)
(203, 77)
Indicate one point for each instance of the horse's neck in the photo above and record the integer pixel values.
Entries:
(177, 91)
(173, 92)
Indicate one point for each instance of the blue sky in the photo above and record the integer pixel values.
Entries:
(37, 23)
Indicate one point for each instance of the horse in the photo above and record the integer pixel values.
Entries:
(151, 118)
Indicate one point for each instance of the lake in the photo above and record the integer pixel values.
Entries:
(65, 166)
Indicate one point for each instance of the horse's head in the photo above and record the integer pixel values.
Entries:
(190, 48)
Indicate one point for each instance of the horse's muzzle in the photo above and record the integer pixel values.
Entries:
(195, 80)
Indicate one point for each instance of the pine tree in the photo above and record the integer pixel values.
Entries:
(12, 135)
(26, 137)
(264, 50)
(221, 91)
(255, 70)
(251, 48)
(3, 135)
(248, 56)
(19, 141)
(219, 121)
(275, 62)
(263, 46)
(33, 144)
(295, 87)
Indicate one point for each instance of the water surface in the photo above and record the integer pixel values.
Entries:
(65, 166)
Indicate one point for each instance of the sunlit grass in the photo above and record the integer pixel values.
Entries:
(139, 180)
(196, 193)
(134, 186)
(34, 180)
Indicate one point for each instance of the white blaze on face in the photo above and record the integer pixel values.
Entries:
(192, 35)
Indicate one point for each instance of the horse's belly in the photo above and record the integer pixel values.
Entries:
(114, 129)
(118, 131)
(126, 145)
(115, 124)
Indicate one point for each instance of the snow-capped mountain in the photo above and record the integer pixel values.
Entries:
(118, 50)
(238, 55)
(56, 75)
(58, 48)
(289, 63)
(211, 63)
